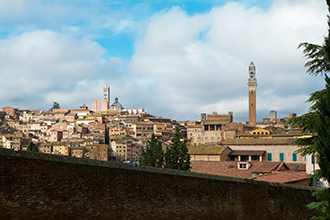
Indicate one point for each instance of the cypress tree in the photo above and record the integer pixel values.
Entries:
(176, 156)
(153, 154)
(32, 147)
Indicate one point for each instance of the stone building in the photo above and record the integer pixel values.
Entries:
(210, 129)
(100, 105)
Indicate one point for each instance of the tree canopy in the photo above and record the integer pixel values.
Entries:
(55, 105)
(153, 154)
(317, 120)
(32, 147)
(177, 156)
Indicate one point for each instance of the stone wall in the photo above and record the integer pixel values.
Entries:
(41, 186)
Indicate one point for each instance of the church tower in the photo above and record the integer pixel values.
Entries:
(252, 85)
(106, 93)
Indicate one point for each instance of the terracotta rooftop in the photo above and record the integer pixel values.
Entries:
(229, 168)
(288, 176)
(247, 152)
(298, 166)
(203, 150)
(263, 141)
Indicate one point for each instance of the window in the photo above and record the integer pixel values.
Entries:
(294, 157)
(255, 158)
(315, 158)
(319, 184)
(242, 165)
(281, 156)
(269, 156)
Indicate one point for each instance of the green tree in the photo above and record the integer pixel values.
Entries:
(32, 147)
(153, 154)
(177, 156)
(317, 120)
(55, 105)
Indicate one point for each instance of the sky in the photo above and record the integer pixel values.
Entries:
(175, 58)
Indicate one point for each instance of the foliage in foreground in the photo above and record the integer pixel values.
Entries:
(317, 121)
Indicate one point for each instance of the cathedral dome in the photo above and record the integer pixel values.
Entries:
(116, 104)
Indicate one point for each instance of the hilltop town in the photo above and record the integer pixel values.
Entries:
(216, 144)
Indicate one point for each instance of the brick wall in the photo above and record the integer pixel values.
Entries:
(42, 186)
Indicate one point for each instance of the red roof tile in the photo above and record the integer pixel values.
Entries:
(288, 176)
(247, 152)
(229, 168)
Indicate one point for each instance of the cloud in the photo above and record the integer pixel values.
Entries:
(199, 63)
(37, 64)
(183, 63)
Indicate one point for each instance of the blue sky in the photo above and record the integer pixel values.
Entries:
(175, 58)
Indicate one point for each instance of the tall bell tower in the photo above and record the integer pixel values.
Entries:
(252, 85)
(106, 93)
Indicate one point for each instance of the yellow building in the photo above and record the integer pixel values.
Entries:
(119, 150)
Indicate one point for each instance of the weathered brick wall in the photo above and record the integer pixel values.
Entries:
(41, 186)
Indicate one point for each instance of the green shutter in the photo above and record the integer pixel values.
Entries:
(269, 156)
(294, 157)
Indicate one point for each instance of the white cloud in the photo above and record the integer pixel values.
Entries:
(182, 64)
(199, 63)
(37, 64)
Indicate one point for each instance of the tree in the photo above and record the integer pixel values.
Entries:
(32, 147)
(153, 154)
(55, 105)
(176, 156)
(317, 120)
